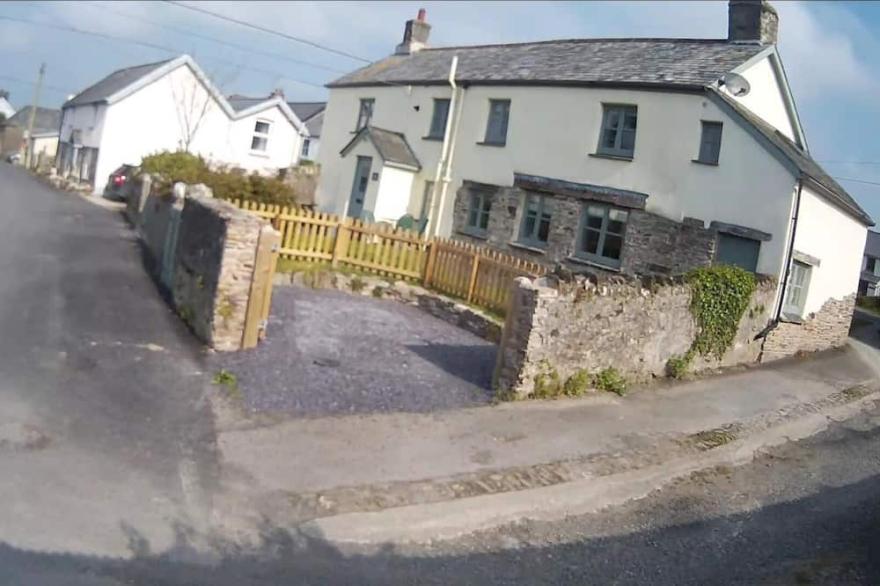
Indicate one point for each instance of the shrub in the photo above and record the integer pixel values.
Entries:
(548, 385)
(677, 366)
(171, 167)
(578, 383)
(609, 379)
(721, 294)
(869, 303)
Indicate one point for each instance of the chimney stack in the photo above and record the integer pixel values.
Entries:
(415, 35)
(752, 21)
(277, 93)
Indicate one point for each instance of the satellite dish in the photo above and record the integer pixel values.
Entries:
(736, 84)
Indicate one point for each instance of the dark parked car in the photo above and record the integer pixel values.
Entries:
(118, 180)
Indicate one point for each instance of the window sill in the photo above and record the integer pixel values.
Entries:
(612, 157)
(707, 163)
(260, 154)
(434, 138)
(474, 233)
(791, 318)
(492, 144)
(592, 263)
(527, 247)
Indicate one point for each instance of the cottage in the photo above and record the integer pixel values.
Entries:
(622, 155)
(869, 281)
(172, 105)
(14, 138)
(312, 115)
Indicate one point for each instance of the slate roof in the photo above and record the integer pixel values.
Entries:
(808, 168)
(392, 146)
(872, 245)
(686, 63)
(46, 120)
(305, 110)
(240, 103)
(113, 83)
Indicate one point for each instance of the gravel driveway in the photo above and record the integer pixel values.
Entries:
(329, 352)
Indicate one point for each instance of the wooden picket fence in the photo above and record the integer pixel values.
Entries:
(477, 274)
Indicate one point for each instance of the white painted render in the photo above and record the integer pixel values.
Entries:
(166, 114)
(552, 132)
(314, 146)
(766, 96)
(44, 144)
(837, 240)
(393, 199)
(6, 108)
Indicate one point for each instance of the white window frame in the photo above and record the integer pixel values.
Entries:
(261, 135)
(305, 148)
(799, 286)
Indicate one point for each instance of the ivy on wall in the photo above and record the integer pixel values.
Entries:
(720, 296)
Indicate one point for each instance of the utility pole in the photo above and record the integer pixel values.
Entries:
(30, 130)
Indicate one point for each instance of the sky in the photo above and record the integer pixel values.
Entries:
(828, 49)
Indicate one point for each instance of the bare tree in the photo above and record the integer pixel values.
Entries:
(192, 101)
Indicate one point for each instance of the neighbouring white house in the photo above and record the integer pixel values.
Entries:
(14, 137)
(312, 115)
(167, 106)
(624, 155)
(6, 109)
(869, 281)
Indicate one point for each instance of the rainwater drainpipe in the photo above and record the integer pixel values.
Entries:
(433, 219)
(788, 258)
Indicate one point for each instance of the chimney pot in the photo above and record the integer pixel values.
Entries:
(422, 14)
(752, 21)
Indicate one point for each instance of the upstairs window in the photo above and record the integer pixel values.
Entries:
(260, 140)
(710, 143)
(618, 137)
(438, 119)
(305, 148)
(478, 213)
(496, 127)
(796, 292)
(601, 234)
(535, 227)
(738, 251)
(365, 112)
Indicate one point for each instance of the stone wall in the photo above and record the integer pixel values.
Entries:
(652, 244)
(215, 255)
(827, 328)
(597, 322)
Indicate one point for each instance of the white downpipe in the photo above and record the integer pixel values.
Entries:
(433, 218)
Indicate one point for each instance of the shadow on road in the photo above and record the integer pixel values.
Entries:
(472, 364)
(829, 538)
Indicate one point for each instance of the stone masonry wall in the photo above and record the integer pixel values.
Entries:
(827, 328)
(215, 254)
(632, 325)
(652, 244)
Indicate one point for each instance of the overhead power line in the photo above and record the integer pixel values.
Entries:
(851, 162)
(30, 82)
(190, 33)
(154, 46)
(858, 180)
(268, 30)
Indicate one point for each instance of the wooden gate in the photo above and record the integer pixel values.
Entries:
(260, 299)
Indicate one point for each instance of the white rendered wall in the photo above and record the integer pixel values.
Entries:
(282, 149)
(88, 119)
(765, 97)
(838, 241)
(553, 131)
(392, 200)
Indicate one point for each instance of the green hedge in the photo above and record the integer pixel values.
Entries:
(171, 167)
